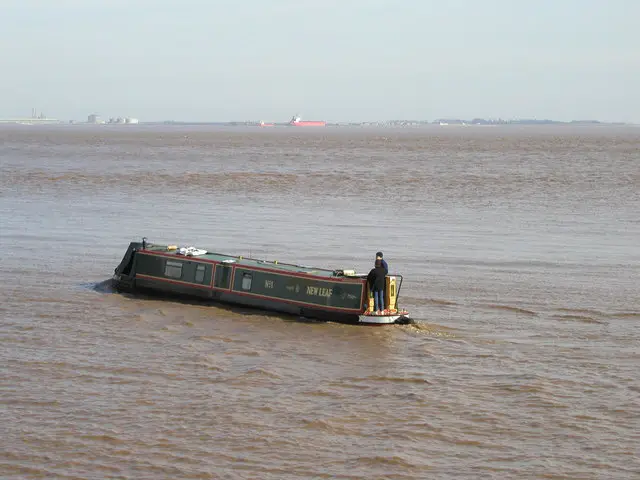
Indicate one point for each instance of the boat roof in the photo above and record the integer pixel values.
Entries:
(174, 251)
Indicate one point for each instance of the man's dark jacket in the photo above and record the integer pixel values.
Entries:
(375, 279)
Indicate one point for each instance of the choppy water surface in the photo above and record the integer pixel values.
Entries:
(520, 252)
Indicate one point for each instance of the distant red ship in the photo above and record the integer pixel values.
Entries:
(263, 124)
(298, 122)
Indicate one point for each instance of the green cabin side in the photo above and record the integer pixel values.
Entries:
(213, 279)
(337, 293)
(176, 270)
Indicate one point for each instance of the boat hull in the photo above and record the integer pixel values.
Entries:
(228, 299)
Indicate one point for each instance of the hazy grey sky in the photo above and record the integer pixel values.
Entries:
(324, 59)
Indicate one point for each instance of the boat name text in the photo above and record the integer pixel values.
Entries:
(319, 292)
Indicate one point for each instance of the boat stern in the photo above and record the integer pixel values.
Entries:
(386, 317)
(392, 312)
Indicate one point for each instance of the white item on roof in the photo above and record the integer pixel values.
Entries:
(191, 251)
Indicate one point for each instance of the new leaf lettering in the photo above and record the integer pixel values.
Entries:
(319, 291)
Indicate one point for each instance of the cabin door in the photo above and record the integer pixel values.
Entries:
(222, 277)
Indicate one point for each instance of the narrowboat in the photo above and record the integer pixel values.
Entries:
(338, 295)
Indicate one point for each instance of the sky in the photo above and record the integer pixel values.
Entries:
(334, 60)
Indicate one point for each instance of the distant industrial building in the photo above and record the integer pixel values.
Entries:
(35, 119)
(123, 120)
(95, 119)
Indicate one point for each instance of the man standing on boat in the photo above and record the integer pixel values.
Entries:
(376, 281)
(386, 271)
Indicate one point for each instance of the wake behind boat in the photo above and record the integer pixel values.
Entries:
(332, 295)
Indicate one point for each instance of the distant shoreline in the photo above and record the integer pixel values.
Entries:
(407, 123)
(388, 123)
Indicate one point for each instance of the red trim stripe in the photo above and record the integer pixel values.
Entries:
(297, 302)
(249, 294)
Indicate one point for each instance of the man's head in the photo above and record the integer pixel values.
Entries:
(379, 255)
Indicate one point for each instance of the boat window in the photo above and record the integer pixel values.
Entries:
(246, 281)
(200, 273)
(173, 269)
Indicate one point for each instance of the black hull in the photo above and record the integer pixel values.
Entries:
(225, 299)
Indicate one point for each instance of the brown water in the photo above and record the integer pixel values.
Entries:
(520, 249)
